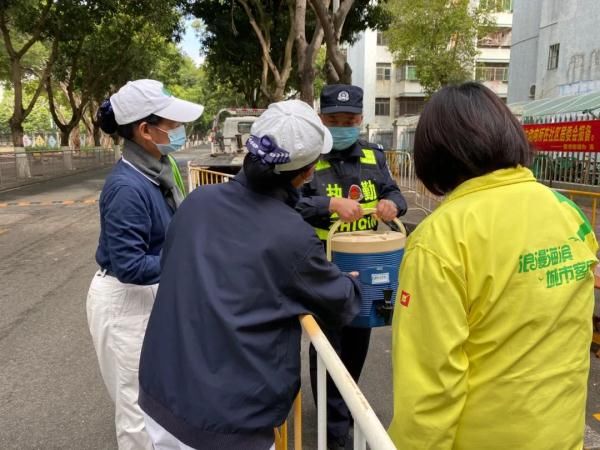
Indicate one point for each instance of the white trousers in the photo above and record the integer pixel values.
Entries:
(163, 440)
(117, 315)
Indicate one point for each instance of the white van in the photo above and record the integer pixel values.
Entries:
(232, 134)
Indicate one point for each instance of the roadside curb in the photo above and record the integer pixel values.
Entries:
(45, 178)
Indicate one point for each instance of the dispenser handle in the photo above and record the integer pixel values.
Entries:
(366, 211)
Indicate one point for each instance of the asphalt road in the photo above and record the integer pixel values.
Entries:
(51, 393)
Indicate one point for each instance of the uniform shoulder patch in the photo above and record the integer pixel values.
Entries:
(370, 145)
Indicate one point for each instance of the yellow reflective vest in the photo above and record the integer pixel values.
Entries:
(368, 192)
(492, 323)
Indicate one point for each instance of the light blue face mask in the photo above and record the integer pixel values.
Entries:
(177, 140)
(344, 137)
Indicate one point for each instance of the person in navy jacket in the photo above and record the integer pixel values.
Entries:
(220, 364)
(137, 203)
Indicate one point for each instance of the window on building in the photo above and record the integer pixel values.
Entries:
(382, 39)
(382, 106)
(553, 56)
(595, 65)
(384, 71)
(409, 106)
(244, 127)
(500, 38)
(491, 72)
(497, 5)
(406, 72)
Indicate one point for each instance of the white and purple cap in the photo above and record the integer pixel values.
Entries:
(290, 135)
(140, 98)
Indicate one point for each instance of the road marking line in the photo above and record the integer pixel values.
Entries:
(50, 203)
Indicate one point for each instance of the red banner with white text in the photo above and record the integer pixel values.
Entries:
(583, 136)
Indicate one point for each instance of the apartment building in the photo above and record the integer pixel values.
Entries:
(393, 91)
(555, 50)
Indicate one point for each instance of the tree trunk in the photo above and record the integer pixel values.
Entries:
(64, 137)
(97, 135)
(307, 85)
(75, 138)
(16, 130)
(306, 54)
(17, 118)
(331, 74)
(337, 68)
(278, 92)
(346, 77)
(262, 31)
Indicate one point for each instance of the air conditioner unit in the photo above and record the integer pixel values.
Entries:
(532, 91)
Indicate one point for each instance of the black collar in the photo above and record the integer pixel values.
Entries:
(354, 151)
(287, 194)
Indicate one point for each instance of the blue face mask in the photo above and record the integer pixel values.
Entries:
(344, 137)
(177, 140)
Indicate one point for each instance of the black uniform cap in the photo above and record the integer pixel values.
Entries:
(336, 98)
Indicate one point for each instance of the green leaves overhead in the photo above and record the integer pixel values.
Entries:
(438, 36)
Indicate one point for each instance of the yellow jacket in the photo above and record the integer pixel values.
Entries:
(492, 323)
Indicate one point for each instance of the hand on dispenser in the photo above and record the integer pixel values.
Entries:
(386, 210)
(349, 210)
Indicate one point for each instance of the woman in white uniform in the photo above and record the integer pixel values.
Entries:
(137, 203)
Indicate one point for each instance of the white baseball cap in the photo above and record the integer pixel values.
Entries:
(296, 128)
(140, 98)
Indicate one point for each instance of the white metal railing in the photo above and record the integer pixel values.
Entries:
(425, 199)
(403, 170)
(367, 428)
(567, 167)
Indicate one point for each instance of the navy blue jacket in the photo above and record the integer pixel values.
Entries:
(346, 170)
(220, 364)
(134, 216)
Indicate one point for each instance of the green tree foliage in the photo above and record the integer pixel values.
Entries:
(39, 120)
(79, 50)
(235, 56)
(108, 50)
(194, 84)
(439, 37)
(24, 25)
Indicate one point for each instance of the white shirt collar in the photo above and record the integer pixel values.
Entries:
(138, 170)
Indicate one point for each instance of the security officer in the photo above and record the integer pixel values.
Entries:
(352, 177)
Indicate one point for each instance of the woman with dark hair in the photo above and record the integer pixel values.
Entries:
(492, 326)
(220, 365)
(137, 203)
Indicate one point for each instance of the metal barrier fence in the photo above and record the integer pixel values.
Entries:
(567, 167)
(587, 201)
(19, 167)
(548, 167)
(402, 168)
(199, 176)
(425, 199)
(367, 428)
